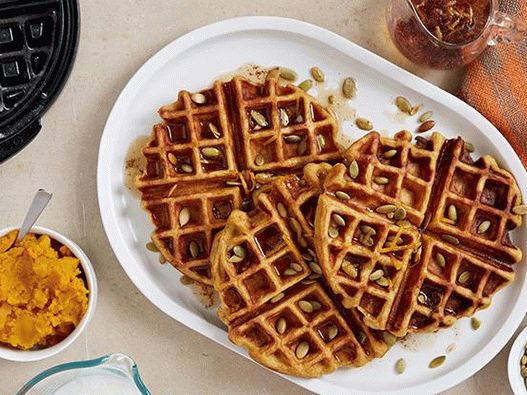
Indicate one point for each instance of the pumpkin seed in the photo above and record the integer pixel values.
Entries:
(426, 126)
(284, 118)
(333, 331)
(281, 210)
(315, 267)
(331, 99)
(233, 183)
(390, 153)
(399, 214)
(469, 146)
(368, 230)
(354, 169)
(162, 259)
(321, 141)
(349, 269)
(259, 118)
(349, 88)
(403, 104)
(386, 209)
(292, 139)
(150, 246)
(306, 85)
(484, 227)
(281, 325)
(214, 130)
(302, 350)
(383, 282)
(361, 337)
(187, 168)
(338, 219)
(273, 74)
(400, 366)
(302, 147)
(210, 152)
(172, 158)
(415, 109)
(377, 274)
(450, 239)
(199, 98)
(440, 259)
(318, 74)
(193, 249)
(425, 116)
(277, 298)
(316, 305)
(259, 160)
(421, 298)
(333, 232)
(296, 267)
(305, 306)
(295, 225)
(520, 209)
(475, 323)
(342, 195)
(288, 74)
(463, 277)
(452, 213)
(289, 272)
(367, 241)
(523, 373)
(235, 259)
(314, 276)
(381, 180)
(239, 251)
(436, 362)
(364, 124)
(388, 338)
(184, 216)
(523, 361)
(418, 253)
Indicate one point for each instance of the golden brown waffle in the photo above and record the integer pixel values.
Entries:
(274, 301)
(399, 271)
(214, 149)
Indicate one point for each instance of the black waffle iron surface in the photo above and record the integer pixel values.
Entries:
(38, 42)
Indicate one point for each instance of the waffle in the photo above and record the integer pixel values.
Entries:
(214, 149)
(402, 266)
(265, 293)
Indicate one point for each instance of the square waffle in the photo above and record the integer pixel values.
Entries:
(215, 148)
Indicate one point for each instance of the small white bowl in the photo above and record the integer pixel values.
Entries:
(36, 355)
(516, 381)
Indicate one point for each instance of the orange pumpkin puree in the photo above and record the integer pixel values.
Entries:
(42, 296)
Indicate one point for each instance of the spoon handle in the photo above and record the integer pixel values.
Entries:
(40, 201)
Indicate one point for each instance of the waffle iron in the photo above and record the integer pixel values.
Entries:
(38, 42)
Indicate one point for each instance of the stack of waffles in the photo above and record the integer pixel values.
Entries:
(323, 258)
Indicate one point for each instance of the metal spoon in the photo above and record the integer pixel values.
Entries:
(40, 201)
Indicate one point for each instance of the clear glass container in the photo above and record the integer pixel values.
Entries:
(450, 33)
(114, 374)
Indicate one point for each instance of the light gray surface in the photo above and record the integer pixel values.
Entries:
(116, 38)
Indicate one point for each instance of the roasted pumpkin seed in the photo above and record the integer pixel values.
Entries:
(284, 118)
(333, 232)
(184, 216)
(383, 282)
(321, 142)
(469, 146)
(259, 118)
(333, 331)
(239, 251)
(403, 104)
(452, 213)
(302, 147)
(426, 126)
(292, 139)
(318, 75)
(306, 85)
(440, 259)
(386, 209)
(475, 323)
(289, 272)
(194, 249)
(361, 337)
(484, 227)
(214, 130)
(464, 277)
(235, 259)
(400, 366)
(288, 74)
(172, 158)
(331, 99)
(381, 180)
(415, 109)
(354, 169)
(390, 153)
(315, 267)
(302, 350)
(421, 298)
(349, 88)
(187, 168)
(399, 214)
(150, 246)
(316, 305)
(520, 209)
(199, 98)
(277, 298)
(296, 267)
(281, 210)
(367, 241)
(364, 124)
(436, 362)
(342, 195)
(259, 160)
(425, 116)
(281, 325)
(350, 269)
(210, 152)
(388, 338)
(450, 239)
(368, 230)
(338, 219)
(305, 306)
(377, 274)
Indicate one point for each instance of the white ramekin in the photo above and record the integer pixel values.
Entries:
(36, 355)
(516, 380)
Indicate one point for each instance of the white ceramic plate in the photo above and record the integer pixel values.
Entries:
(192, 62)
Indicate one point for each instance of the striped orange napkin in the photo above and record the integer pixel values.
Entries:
(496, 85)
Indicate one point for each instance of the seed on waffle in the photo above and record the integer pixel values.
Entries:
(274, 300)
(393, 171)
(474, 204)
(418, 273)
(214, 149)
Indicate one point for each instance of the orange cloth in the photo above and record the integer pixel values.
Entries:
(496, 85)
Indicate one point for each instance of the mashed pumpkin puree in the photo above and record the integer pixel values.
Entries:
(42, 297)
